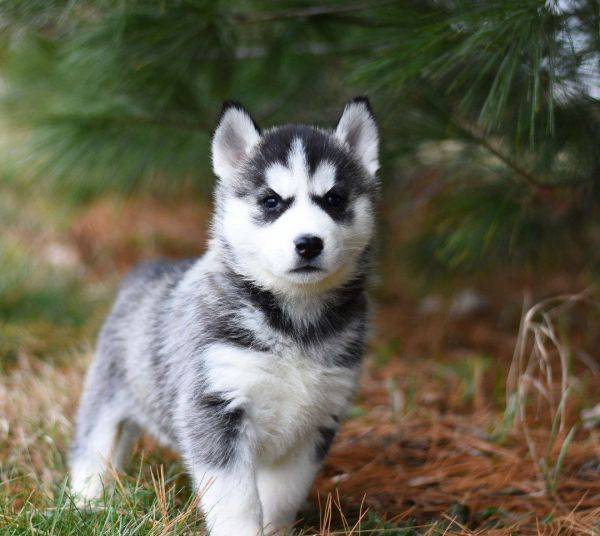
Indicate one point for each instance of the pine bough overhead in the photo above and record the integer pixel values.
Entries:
(501, 97)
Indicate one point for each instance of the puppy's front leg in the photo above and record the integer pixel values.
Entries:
(284, 484)
(229, 500)
(213, 430)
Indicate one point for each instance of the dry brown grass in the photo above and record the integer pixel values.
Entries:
(422, 464)
(535, 471)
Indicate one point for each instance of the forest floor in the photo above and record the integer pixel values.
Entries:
(441, 439)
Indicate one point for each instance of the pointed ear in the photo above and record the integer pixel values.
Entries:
(235, 136)
(358, 131)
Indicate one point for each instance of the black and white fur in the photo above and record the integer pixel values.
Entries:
(245, 360)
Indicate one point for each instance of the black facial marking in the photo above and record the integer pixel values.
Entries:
(326, 437)
(271, 205)
(336, 203)
(319, 146)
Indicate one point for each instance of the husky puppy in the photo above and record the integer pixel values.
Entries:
(245, 360)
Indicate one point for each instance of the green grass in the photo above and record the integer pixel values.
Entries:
(132, 507)
(151, 502)
(43, 309)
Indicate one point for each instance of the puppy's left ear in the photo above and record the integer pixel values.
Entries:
(358, 131)
(235, 137)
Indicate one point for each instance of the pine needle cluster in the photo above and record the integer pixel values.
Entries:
(122, 94)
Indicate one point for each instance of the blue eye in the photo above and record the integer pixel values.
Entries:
(271, 202)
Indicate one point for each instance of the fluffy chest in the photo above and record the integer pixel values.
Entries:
(285, 397)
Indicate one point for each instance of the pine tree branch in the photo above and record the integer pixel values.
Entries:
(307, 12)
(533, 181)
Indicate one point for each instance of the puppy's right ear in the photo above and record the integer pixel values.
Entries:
(235, 137)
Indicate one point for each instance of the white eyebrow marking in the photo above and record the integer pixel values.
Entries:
(323, 178)
(280, 180)
(288, 180)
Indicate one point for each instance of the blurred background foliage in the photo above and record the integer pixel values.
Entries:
(489, 112)
(500, 97)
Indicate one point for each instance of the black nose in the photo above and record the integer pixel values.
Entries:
(308, 246)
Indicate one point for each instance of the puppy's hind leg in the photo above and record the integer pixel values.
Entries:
(96, 444)
(128, 435)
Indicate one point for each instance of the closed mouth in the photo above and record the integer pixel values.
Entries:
(307, 269)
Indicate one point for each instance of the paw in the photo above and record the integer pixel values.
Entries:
(231, 530)
(86, 491)
(233, 526)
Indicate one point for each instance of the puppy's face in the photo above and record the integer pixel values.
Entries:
(295, 203)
